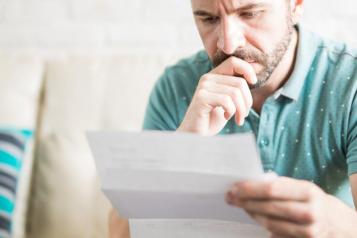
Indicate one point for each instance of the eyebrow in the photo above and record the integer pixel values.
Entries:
(252, 6)
(202, 13)
(247, 7)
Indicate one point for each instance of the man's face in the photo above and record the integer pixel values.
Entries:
(257, 31)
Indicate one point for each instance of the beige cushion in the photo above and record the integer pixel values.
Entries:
(81, 94)
(20, 85)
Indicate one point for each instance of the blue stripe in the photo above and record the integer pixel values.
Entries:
(27, 133)
(13, 139)
(6, 158)
(5, 224)
(6, 205)
(10, 129)
(19, 138)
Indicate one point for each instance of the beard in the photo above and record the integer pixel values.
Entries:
(269, 61)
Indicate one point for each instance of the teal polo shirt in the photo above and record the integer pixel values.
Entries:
(306, 130)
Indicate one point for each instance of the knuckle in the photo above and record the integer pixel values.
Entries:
(311, 191)
(205, 79)
(309, 216)
(270, 189)
(227, 101)
(245, 188)
(229, 110)
(269, 225)
(235, 94)
(200, 94)
(204, 84)
(314, 209)
(273, 207)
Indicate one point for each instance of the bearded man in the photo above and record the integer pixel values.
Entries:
(262, 72)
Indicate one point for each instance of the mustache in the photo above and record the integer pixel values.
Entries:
(243, 54)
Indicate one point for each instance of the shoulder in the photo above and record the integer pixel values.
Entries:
(340, 66)
(337, 77)
(338, 51)
(195, 62)
(341, 58)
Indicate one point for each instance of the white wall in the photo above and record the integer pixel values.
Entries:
(53, 26)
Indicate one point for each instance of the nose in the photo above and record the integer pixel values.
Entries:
(231, 36)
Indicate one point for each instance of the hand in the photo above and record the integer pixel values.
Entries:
(118, 227)
(293, 208)
(220, 94)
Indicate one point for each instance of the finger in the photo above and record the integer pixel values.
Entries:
(234, 66)
(285, 228)
(235, 82)
(214, 100)
(291, 211)
(237, 96)
(247, 95)
(241, 114)
(280, 188)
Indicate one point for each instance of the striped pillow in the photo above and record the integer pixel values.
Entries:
(12, 148)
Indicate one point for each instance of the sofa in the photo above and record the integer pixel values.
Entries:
(60, 98)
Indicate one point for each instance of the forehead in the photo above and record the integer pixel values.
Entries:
(229, 5)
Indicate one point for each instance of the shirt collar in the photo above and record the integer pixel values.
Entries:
(306, 51)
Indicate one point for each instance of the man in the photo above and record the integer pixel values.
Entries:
(262, 72)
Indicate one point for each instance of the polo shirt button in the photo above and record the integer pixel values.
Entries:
(264, 142)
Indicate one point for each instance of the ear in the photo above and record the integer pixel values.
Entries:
(296, 8)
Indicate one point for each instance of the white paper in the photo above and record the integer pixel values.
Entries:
(174, 228)
(166, 175)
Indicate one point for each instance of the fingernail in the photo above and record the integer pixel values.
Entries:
(255, 79)
(241, 123)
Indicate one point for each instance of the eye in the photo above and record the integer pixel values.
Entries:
(250, 15)
(210, 20)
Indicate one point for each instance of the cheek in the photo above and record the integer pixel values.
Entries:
(209, 40)
(267, 35)
(260, 40)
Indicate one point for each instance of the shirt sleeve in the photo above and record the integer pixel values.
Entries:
(173, 92)
(352, 140)
(161, 112)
